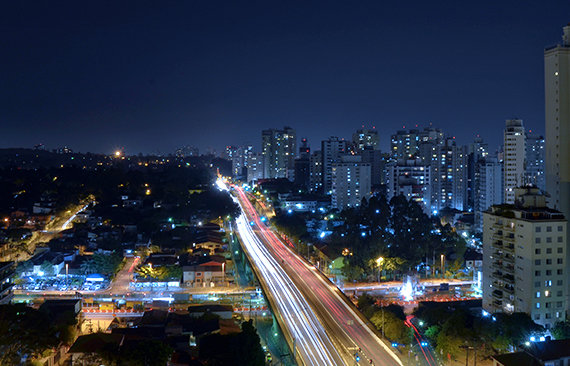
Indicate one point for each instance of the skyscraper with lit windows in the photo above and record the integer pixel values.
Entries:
(279, 151)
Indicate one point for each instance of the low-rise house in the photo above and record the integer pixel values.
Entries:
(204, 271)
(473, 259)
(223, 311)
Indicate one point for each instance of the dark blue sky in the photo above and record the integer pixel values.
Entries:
(148, 76)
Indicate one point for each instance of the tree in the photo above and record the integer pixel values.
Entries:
(561, 330)
(24, 267)
(240, 349)
(393, 264)
(107, 264)
(455, 332)
(350, 272)
(26, 333)
(145, 353)
(291, 224)
(394, 328)
(88, 266)
(432, 332)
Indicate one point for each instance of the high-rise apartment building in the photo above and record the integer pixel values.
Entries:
(279, 150)
(525, 258)
(247, 151)
(410, 178)
(303, 165)
(235, 155)
(488, 188)
(534, 165)
(350, 182)
(514, 157)
(364, 138)
(256, 168)
(316, 171)
(332, 149)
(377, 161)
(405, 144)
(473, 153)
(446, 175)
(557, 118)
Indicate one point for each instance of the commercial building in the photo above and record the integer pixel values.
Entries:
(525, 258)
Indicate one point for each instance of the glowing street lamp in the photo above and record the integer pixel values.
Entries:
(379, 264)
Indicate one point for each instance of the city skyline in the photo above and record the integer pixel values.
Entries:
(97, 77)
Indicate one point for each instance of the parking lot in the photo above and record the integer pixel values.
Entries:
(78, 283)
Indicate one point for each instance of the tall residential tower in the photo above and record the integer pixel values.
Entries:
(557, 118)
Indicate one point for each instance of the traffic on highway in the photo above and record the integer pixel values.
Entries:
(328, 318)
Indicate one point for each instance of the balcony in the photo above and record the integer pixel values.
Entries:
(510, 289)
(498, 303)
(498, 274)
(509, 278)
(498, 265)
(509, 258)
(498, 244)
(497, 294)
(497, 236)
(509, 248)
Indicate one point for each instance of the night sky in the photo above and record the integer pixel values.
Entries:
(150, 76)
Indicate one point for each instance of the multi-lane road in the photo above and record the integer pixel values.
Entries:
(325, 326)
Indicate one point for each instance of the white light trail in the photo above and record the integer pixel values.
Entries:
(312, 343)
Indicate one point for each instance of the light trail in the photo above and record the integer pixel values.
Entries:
(313, 345)
(337, 323)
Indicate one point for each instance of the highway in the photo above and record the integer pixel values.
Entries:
(311, 341)
(321, 304)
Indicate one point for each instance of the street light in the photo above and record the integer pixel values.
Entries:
(379, 264)
(442, 266)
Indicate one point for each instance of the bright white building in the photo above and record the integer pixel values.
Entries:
(525, 258)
